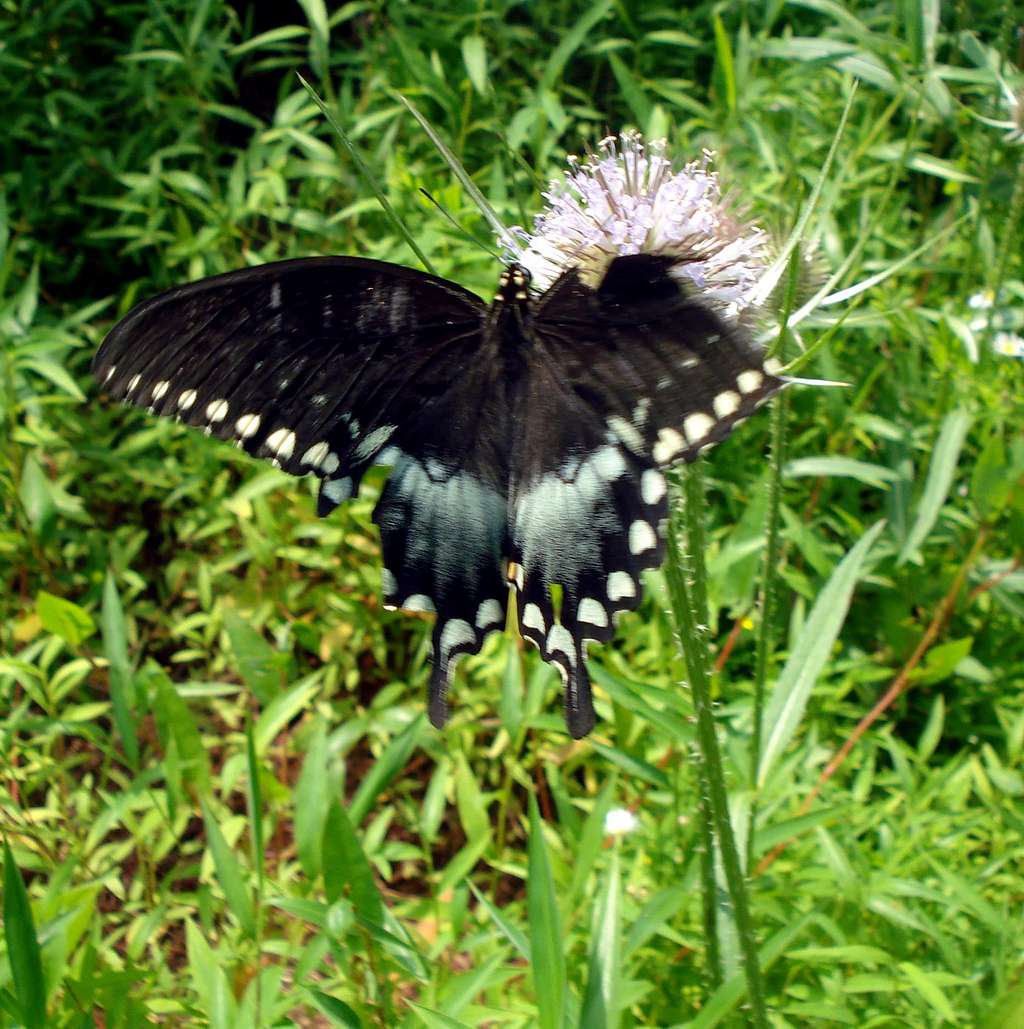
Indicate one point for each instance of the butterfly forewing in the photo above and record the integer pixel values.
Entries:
(308, 363)
(667, 374)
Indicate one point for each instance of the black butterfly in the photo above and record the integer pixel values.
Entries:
(525, 437)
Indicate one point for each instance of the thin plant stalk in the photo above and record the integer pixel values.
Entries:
(693, 494)
(372, 181)
(772, 548)
(695, 655)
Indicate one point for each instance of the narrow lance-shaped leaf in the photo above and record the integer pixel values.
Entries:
(789, 698)
(940, 478)
(229, 874)
(601, 1000)
(546, 944)
(115, 644)
(23, 947)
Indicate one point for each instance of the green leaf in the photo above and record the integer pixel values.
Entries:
(337, 1011)
(254, 803)
(229, 874)
(725, 66)
(178, 727)
(259, 665)
(940, 478)
(941, 661)
(932, 731)
(437, 1019)
(546, 943)
(63, 618)
(282, 710)
(209, 981)
(122, 687)
(36, 494)
(512, 933)
(992, 480)
(812, 650)
(312, 800)
(345, 864)
(1007, 1012)
(571, 41)
(394, 758)
(862, 471)
(591, 836)
(23, 951)
(601, 999)
(926, 986)
(474, 54)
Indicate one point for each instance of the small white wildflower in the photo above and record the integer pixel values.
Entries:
(628, 200)
(619, 821)
(1009, 344)
(982, 300)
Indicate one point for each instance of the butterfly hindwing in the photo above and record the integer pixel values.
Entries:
(584, 518)
(442, 518)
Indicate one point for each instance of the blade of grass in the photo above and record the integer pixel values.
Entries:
(229, 874)
(775, 270)
(23, 946)
(370, 180)
(546, 943)
(600, 1001)
(496, 224)
(115, 645)
(394, 758)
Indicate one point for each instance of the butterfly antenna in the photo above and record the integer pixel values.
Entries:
(464, 232)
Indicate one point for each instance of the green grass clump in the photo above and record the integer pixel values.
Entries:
(220, 801)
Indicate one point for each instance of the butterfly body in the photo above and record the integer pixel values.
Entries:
(525, 438)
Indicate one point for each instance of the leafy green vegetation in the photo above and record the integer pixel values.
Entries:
(221, 803)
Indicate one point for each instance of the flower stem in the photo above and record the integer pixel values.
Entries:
(772, 549)
(695, 654)
(693, 497)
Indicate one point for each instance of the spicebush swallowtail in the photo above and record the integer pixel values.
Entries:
(525, 437)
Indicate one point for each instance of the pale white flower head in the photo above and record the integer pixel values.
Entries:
(1009, 344)
(626, 199)
(619, 821)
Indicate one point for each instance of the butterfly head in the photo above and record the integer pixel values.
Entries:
(513, 286)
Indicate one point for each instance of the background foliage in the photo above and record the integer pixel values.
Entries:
(220, 800)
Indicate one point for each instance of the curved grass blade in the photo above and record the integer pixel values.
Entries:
(601, 1000)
